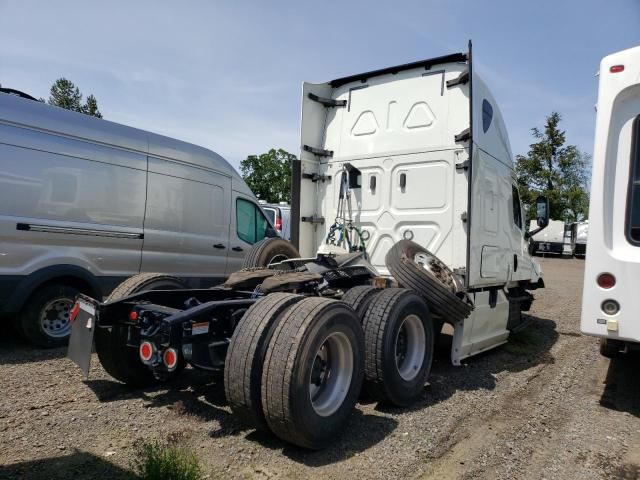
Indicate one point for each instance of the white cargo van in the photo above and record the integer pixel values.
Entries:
(86, 203)
(610, 302)
(419, 152)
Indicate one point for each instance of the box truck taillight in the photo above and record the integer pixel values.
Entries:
(279, 224)
(617, 69)
(606, 281)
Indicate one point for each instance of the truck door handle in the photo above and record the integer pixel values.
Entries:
(237, 249)
(219, 245)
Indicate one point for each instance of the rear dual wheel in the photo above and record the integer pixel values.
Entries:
(399, 338)
(295, 366)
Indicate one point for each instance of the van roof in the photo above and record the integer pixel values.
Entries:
(40, 116)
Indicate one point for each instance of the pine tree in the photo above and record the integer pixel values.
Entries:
(556, 170)
(65, 94)
(91, 107)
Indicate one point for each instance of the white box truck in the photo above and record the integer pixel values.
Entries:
(407, 215)
(610, 302)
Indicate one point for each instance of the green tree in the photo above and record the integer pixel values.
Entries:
(64, 93)
(557, 170)
(269, 175)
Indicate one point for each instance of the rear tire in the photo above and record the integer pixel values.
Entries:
(121, 361)
(359, 298)
(313, 372)
(610, 348)
(45, 319)
(246, 355)
(268, 251)
(399, 341)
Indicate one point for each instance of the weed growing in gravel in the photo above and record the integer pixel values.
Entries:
(526, 342)
(156, 461)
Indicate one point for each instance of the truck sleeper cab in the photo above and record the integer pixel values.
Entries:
(610, 303)
(86, 203)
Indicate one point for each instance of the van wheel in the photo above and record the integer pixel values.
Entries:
(268, 251)
(359, 298)
(399, 336)
(245, 357)
(117, 358)
(418, 269)
(45, 320)
(313, 372)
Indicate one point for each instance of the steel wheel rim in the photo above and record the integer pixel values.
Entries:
(55, 317)
(441, 272)
(410, 347)
(331, 374)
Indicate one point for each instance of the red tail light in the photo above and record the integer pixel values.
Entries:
(170, 358)
(133, 315)
(279, 224)
(606, 281)
(617, 69)
(146, 351)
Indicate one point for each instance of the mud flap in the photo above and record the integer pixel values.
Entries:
(83, 317)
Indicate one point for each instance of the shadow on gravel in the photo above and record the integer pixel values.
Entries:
(361, 433)
(15, 351)
(526, 349)
(78, 465)
(622, 389)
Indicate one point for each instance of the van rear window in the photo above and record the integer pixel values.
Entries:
(633, 199)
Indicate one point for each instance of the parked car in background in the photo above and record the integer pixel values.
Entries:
(280, 216)
(86, 203)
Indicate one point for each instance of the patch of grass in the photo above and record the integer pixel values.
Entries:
(526, 342)
(157, 461)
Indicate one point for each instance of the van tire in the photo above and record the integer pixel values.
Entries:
(440, 296)
(246, 354)
(610, 348)
(119, 360)
(56, 300)
(392, 313)
(313, 328)
(359, 298)
(267, 251)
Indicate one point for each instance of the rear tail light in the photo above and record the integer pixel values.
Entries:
(610, 307)
(606, 281)
(279, 224)
(617, 69)
(147, 351)
(170, 358)
(133, 316)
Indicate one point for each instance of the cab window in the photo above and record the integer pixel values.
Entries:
(517, 213)
(251, 224)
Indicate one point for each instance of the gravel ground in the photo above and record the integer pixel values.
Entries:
(544, 406)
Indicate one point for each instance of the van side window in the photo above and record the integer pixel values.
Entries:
(251, 224)
(487, 115)
(633, 199)
(517, 214)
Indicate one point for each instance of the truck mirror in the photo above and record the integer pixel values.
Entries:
(542, 211)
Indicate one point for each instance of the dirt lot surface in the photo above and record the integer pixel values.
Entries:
(545, 406)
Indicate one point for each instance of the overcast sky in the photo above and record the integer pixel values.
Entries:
(227, 75)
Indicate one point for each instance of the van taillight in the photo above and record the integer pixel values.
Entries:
(606, 281)
(617, 69)
(279, 224)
